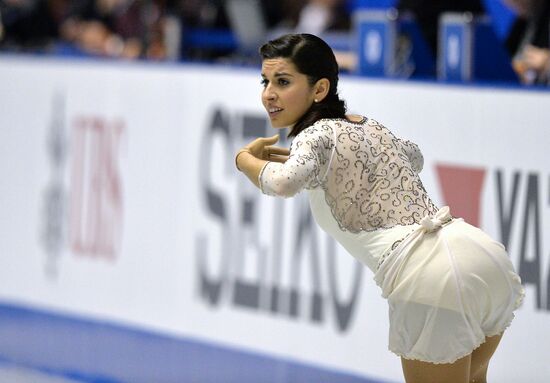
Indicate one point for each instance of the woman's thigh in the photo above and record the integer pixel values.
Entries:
(416, 371)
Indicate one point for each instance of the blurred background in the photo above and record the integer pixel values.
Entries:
(131, 250)
(515, 32)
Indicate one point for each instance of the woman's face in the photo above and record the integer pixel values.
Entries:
(287, 94)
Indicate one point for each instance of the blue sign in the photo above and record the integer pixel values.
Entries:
(455, 48)
(376, 33)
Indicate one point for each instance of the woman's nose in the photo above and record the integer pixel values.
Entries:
(269, 94)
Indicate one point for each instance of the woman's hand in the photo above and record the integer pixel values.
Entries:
(251, 159)
(263, 149)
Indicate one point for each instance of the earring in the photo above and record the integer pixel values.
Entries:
(316, 101)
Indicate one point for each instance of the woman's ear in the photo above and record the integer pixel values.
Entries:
(321, 89)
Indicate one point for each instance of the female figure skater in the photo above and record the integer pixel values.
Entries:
(451, 289)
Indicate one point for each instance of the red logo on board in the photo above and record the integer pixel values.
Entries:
(96, 210)
(461, 190)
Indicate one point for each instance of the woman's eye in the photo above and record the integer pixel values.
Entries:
(280, 82)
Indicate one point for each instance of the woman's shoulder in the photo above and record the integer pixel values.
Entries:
(348, 119)
(332, 123)
(320, 127)
(322, 130)
(356, 119)
(330, 126)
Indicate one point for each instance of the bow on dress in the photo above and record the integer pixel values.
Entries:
(387, 273)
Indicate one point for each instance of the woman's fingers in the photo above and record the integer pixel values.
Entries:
(265, 141)
(271, 140)
(276, 154)
(262, 148)
(281, 159)
(258, 145)
(277, 150)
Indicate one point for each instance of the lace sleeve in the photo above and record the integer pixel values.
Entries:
(414, 154)
(306, 166)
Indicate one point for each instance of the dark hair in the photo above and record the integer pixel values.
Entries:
(314, 58)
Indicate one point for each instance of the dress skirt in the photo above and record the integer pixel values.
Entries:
(449, 286)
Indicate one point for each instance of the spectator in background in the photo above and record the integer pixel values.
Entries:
(427, 12)
(32, 24)
(317, 16)
(117, 28)
(110, 28)
(528, 41)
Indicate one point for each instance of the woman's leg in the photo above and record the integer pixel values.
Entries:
(470, 369)
(481, 357)
(423, 372)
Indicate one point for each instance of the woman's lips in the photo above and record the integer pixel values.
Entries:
(273, 111)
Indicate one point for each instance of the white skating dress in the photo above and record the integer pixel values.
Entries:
(448, 284)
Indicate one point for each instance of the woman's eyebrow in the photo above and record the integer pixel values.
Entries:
(278, 74)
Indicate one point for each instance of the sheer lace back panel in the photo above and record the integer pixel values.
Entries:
(369, 176)
(372, 181)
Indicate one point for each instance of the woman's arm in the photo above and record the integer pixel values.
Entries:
(250, 165)
(288, 172)
(253, 157)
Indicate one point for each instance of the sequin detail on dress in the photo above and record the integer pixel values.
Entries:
(369, 176)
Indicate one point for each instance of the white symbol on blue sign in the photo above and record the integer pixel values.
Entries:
(373, 47)
(453, 51)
